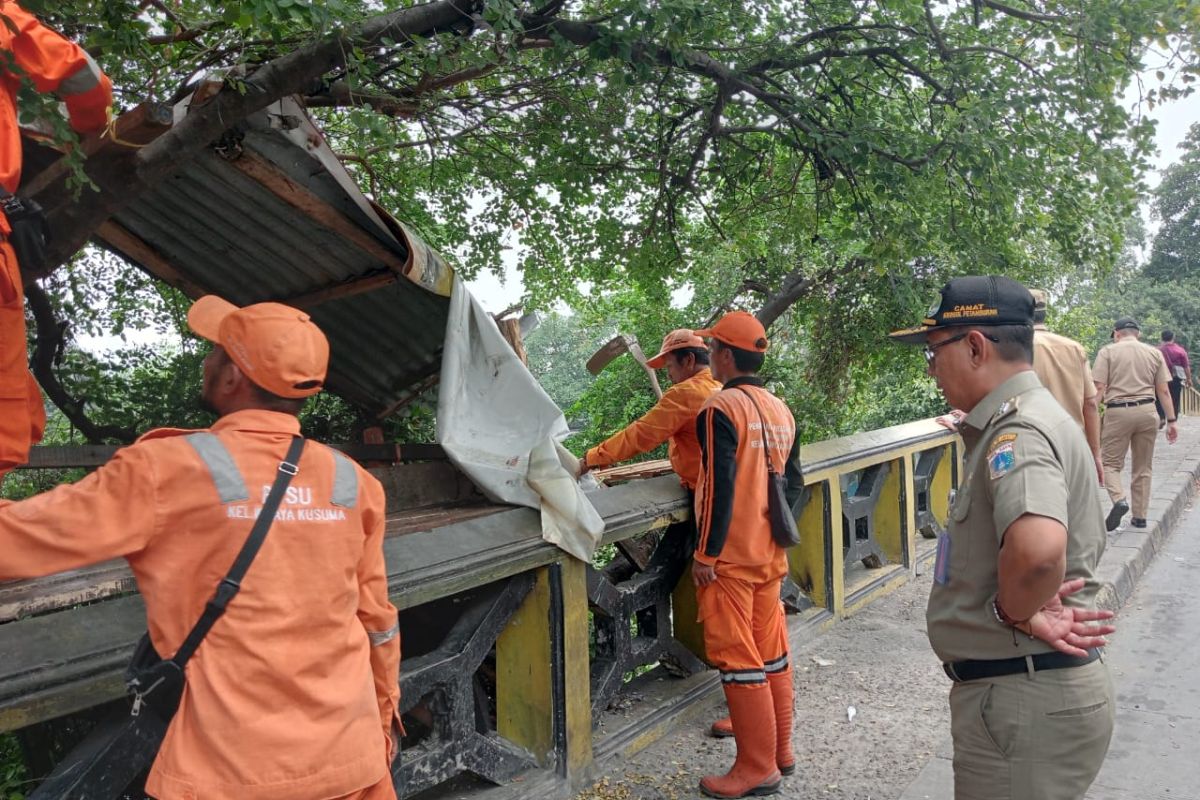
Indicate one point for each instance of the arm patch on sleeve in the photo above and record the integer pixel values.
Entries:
(1001, 455)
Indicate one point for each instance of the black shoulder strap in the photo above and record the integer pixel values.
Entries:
(232, 582)
(762, 430)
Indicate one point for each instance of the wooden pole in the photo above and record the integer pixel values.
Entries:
(510, 329)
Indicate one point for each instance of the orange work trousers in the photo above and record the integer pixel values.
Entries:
(384, 790)
(22, 414)
(745, 635)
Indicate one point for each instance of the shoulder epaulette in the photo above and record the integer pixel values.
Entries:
(1006, 408)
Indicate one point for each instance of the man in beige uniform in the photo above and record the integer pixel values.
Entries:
(1062, 366)
(1031, 708)
(1128, 375)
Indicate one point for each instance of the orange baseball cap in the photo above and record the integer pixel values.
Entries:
(278, 347)
(675, 340)
(739, 329)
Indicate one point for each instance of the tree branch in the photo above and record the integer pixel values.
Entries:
(122, 178)
(49, 343)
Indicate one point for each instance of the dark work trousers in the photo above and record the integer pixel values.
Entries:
(1176, 388)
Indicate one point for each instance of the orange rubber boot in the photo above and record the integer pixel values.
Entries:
(754, 773)
(783, 695)
(721, 729)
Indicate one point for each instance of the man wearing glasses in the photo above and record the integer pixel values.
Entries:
(1031, 706)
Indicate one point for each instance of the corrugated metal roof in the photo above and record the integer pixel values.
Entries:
(270, 214)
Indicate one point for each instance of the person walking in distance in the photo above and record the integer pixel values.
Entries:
(738, 568)
(1011, 611)
(1062, 366)
(1129, 375)
(1179, 367)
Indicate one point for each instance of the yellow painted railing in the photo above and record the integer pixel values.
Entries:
(503, 633)
(897, 483)
(1189, 402)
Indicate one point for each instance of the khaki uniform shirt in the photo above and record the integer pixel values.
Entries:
(1025, 455)
(1130, 370)
(1061, 365)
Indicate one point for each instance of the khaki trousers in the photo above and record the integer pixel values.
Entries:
(1039, 736)
(1123, 429)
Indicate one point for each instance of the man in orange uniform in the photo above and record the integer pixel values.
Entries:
(673, 417)
(738, 568)
(294, 694)
(52, 64)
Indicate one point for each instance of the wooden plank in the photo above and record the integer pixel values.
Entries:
(360, 285)
(510, 329)
(627, 472)
(65, 456)
(137, 127)
(96, 455)
(300, 198)
(124, 243)
(38, 595)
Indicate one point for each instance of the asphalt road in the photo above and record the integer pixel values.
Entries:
(1155, 658)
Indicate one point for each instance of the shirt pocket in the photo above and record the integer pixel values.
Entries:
(959, 543)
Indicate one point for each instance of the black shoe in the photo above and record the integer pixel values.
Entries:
(1113, 520)
(1137, 522)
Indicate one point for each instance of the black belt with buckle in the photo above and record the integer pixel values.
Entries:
(974, 670)
(1131, 403)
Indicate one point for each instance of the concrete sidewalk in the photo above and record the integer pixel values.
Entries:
(1156, 652)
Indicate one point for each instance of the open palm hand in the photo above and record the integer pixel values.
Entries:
(1066, 628)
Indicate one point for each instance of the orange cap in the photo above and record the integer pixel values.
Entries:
(739, 329)
(276, 346)
(675, 340)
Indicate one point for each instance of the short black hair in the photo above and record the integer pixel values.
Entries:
(1039, 315)
(1014, 343)
(1168, 335)
(744, 360)
(701, 354)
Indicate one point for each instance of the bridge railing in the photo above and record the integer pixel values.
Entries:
(1189, 402)
(520, 661)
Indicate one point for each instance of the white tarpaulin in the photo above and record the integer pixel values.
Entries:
(499, 426)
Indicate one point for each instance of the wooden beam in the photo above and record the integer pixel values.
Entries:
(95, 455)
(124, 243)
(135, 128)
(360, 285)
(300, 198)
(510, 329)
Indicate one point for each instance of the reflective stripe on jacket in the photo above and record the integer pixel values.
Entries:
(52, 64)
(671, 420)
(295, 689)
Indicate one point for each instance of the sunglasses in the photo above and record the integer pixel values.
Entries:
(930, 350)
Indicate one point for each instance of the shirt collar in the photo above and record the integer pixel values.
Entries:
(986, 408)
(258, 420)
(744, 380)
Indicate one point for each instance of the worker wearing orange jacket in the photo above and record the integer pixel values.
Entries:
(673, 417)
(738, 568)
(294, 694)
(51, 64)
